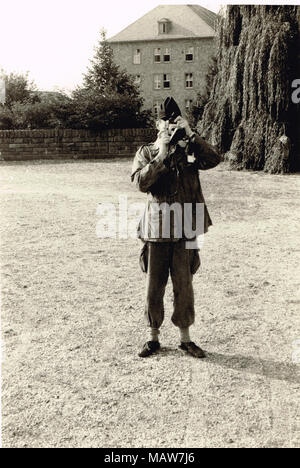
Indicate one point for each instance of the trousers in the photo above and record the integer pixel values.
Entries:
(159, 260)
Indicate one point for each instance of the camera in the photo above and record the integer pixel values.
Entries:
(176, 133)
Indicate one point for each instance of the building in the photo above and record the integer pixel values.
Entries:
(168, 50)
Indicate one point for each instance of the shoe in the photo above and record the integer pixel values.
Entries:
(149, 348)
(193, 349)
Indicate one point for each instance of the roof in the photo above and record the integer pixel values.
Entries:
(208, 16)
(188, 21)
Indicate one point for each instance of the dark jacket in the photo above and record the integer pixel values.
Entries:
(174, 180)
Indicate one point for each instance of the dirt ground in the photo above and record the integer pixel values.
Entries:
(72, 317)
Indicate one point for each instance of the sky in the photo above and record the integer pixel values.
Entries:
(54, 39)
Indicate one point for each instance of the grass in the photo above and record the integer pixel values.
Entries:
(72, 316)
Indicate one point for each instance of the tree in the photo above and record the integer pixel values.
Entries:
(39, 110)
(104, 75)
(109, 97)
(19, 89)
(250, 115)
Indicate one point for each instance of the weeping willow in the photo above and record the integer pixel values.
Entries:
(250, 115)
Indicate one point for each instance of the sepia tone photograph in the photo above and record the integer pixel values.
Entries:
(149, 236)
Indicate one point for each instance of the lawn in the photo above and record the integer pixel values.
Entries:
(72, 316)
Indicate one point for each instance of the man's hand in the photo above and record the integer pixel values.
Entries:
(182, 123)
(163, 144)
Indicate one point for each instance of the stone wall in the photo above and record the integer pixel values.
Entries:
(19, 145)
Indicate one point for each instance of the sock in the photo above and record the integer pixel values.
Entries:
(154, 332)
(185, 335)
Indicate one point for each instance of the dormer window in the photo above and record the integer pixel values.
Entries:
(164, 26)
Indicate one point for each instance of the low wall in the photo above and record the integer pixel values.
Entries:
(20, 145)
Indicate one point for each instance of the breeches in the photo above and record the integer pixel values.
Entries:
(158, 259)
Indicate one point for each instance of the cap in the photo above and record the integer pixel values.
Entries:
(169, 110)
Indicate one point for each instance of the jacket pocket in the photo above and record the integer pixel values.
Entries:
(144, 258)
(195, 261)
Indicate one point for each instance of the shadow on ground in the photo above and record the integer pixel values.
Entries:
(266, 368)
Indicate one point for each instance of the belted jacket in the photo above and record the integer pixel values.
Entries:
(174, 182)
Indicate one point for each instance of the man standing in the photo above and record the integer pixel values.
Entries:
(168, 171)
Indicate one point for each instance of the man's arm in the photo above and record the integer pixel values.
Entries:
(145, 171)
(206, 156)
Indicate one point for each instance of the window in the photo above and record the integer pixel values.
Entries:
(137, 57)
(164, 26)
(167, 55)
(189, 54)
(189, 80)
(157, 55)
(167, 83)
(156, 107)
(157, 81)
(137, 80)
(188, 104)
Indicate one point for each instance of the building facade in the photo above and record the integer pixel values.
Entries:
(168, 51)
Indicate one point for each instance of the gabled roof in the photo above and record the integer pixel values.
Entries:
(187, 21)
(208, 16)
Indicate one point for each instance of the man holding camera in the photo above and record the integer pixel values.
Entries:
(168, 171)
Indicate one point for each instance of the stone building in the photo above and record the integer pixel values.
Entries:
(168, 50)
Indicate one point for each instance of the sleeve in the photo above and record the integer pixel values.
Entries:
(206, 156)
(146, 171)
